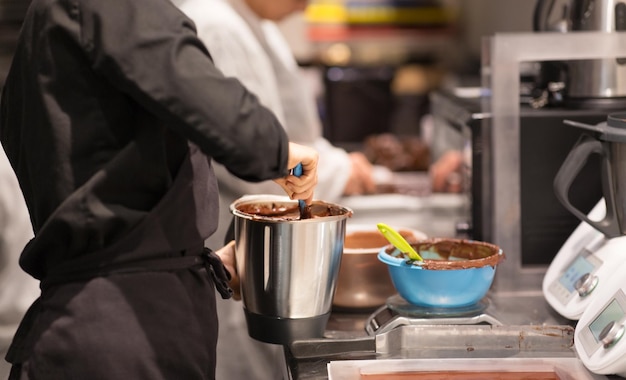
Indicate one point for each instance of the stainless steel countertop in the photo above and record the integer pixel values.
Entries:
(527, 326)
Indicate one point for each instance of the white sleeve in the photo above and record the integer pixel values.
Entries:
(333, 171)
(17, 289)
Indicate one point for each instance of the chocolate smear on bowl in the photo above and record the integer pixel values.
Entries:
(455, 254)
(289, 212)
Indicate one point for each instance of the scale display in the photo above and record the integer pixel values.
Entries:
(578, 268)
(612, 313)
(598, 317)
(563, 283)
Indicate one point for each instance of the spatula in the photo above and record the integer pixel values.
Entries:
(398, 241)
(305, 211)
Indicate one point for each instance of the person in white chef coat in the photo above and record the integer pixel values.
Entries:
(17, 289)
(246, 43)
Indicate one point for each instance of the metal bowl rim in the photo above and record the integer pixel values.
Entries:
(258, 198)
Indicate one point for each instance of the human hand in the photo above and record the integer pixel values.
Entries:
(227, 255)
(445, 173)
(301, 187)
(361, 180)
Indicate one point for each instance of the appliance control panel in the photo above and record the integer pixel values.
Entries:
(599, 336)
(581, 268)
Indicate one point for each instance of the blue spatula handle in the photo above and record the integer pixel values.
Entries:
(297, 171)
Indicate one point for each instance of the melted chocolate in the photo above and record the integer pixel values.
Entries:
(290, 211)
(455, 253)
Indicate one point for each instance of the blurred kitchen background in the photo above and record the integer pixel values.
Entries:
(376, 38)
(401, 81)
(372, 63)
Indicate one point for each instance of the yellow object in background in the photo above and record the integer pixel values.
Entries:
(377, 13)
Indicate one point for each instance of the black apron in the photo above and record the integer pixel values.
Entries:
(150, 317)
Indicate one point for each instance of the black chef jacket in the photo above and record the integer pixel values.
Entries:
(109, 115)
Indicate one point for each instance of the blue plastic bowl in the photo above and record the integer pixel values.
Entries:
(454, 272)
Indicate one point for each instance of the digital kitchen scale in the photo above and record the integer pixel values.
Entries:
(599, 334)
(398, 312)
(580, 269)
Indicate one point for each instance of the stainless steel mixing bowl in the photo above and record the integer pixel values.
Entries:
(288, 267)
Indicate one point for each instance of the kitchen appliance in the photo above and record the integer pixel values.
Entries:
(581, 268)
(544, 142)
(596, 248)
(611, 145)
(287, 266)
(590, 82)
(599, 334)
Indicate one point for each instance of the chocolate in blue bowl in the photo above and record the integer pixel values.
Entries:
(454, 273)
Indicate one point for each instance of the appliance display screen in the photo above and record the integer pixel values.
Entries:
(575, 271)
(613, 312)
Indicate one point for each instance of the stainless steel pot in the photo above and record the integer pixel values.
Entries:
(364, 282)
(288, 267)
(596, 82)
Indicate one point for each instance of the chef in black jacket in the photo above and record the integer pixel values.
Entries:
(110, 115)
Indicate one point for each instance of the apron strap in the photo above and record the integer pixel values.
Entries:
(75, 273)
(207, 258)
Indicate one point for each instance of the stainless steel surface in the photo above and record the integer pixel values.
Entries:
(601, 77)
(363, 281)
(515, 324)
(398, 313)
(448, 341)
(288, 269)
(503, 54)
(453, 341)
(604, 78)
(529, 329)
(589, 79)
(520, 323)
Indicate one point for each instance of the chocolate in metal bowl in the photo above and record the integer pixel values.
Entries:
(283, 209)
(287, 266)
(454, 273)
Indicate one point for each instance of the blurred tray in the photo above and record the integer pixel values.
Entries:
(407, 183)
(405, 202)
(483, 368)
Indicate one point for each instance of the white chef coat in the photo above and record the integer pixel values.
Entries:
(255, 52)
(17, 289)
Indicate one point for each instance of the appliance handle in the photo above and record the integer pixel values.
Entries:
(571, 167)
(315, 348)
(542, 9)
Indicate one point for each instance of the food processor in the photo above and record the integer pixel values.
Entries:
(585, 281)
(595, 250)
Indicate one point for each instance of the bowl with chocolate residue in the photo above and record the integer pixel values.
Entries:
(287, 266)
(454, 272)
(363, 282)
